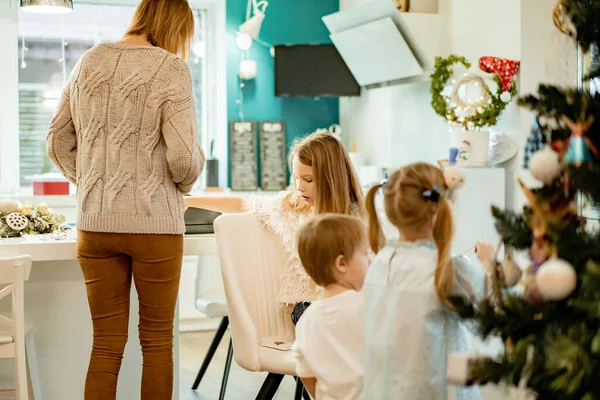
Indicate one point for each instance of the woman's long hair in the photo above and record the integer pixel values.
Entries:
(168, 24)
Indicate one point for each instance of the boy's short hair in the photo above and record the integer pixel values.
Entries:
(323, 238)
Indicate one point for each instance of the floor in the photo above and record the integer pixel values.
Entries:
(243, 385)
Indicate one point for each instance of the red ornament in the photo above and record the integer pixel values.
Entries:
(505, 69)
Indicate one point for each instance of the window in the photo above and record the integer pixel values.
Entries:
(48, 48)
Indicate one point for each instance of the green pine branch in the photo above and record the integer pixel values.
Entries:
(585, 17)
(512, 228)
(593, 74)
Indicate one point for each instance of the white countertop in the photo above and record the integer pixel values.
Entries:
(46, 248)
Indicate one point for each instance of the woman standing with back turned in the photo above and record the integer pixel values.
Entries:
(125, 134)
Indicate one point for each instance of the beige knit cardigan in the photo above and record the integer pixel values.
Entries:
(125, 133)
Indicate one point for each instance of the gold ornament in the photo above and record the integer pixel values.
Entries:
(545, 213)
(402, 5)
(494, 281)
(562, 21)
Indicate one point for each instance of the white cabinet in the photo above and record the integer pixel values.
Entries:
(473, 219)
(483, 188)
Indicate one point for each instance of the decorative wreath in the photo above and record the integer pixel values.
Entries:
(483, 114)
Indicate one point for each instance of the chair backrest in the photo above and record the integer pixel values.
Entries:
(13, 269)
(251, 261)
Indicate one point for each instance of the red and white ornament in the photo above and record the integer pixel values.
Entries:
(504, 68)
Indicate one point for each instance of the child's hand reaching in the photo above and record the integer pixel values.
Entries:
(485, 252)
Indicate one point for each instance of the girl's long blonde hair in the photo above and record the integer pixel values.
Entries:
(408, 209)
(168, 24)
(337, 189)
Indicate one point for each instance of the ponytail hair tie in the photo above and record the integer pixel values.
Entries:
(433, 194)
(385, 179)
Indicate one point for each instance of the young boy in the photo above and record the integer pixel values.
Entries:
(334, 251)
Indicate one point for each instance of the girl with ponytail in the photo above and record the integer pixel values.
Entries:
(410, 327)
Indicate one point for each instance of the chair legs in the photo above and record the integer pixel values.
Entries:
(226, 371)
(34, 377)
(301, 392)
(299, 389)
(211, 351)
(306, 396)
(269, 387)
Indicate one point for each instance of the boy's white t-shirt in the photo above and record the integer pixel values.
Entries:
(329, 346)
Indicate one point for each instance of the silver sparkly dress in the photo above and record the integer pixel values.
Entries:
(408, 332)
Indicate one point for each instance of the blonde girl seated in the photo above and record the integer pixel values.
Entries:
(409, 324)
(324, 182)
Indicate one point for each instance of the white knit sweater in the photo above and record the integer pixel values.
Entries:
(125, 133)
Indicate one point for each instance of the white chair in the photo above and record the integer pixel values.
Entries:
(214, 308)
(251, 260)
(16, 337)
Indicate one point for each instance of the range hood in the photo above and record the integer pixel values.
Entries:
(382, 46)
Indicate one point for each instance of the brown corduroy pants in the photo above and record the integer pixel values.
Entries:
(109, 261)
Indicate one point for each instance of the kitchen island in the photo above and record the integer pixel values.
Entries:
(56, 305)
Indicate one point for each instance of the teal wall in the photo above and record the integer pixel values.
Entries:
(286, 22)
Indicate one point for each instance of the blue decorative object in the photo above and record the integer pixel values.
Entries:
(535, 142)
(578, 151)
(580, 147)
(452, 156)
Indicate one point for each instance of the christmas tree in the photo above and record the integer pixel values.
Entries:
(551, 328)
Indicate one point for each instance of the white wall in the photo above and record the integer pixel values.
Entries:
(396, 125)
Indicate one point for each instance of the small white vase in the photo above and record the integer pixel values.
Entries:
(472, 147)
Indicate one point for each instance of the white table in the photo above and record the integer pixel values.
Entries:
(56, 303)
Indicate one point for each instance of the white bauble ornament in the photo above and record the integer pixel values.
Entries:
(506, 97)
(454, 177)
(556, 279)
(511, 271)
(545, 165)
(17, 221)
